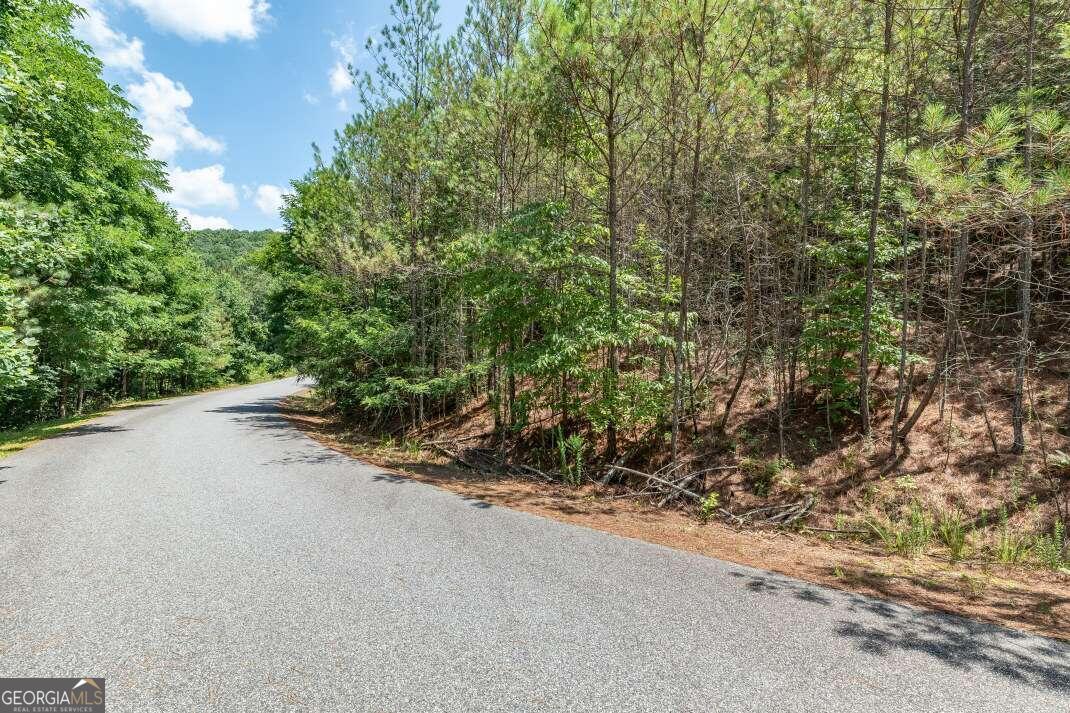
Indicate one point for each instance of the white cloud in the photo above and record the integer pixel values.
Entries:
(201, 187)
(203, 222)
(216, 20)
(114, 48)
(339, 79)
(163, 104)
(311, 98)
(269, 199)
(346, 52)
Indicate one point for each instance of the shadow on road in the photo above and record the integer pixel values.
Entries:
(262, 413)
(135, 407)
(961, 643)
(384, 477)
(264, 405)
(91, 429)
(391, 478)
(306, 458)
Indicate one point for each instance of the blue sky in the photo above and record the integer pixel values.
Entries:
(234, 92)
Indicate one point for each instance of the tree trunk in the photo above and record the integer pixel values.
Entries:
(64, 382)
(1025, 262)
(874, 213)
(669, 196)
(799, 278)
(689, 240)
(947, 349)
(613, 210)
(962, 244)
(748, 339)
(685, 273)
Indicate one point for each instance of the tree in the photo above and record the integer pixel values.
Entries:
(874, 216)
(598, 49)
(99, 287)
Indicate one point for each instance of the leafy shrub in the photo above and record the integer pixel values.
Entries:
(1011, 547)
(539, 292)
(831, 337)
(919, 531)
(708, 507)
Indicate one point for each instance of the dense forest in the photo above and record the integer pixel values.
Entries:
(687, 232)
(103, 294)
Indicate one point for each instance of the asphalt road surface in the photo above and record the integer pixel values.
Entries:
(203, 555)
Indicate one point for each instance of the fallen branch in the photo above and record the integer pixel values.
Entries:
(782, 515)
(656, 479)
(608, 477)
(834, 531)
(534, 471)
(462, 439)
(487, 461)
(673, 493)
(454, 456)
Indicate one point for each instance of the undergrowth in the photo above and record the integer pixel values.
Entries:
(918, 532)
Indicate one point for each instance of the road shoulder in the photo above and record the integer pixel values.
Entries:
(1027, 600)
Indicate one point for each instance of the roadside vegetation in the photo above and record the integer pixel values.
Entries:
(792, 265)
(103, 293)
(15, 440)
(796, 265)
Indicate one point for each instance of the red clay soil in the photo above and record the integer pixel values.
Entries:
(1023, 598)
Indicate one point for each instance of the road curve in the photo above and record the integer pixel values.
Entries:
(203, 555)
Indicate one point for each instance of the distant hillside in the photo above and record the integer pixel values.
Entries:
(226, 249)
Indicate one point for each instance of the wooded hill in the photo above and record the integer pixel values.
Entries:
(705, 231)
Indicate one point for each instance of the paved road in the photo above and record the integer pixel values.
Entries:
(204, 556)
